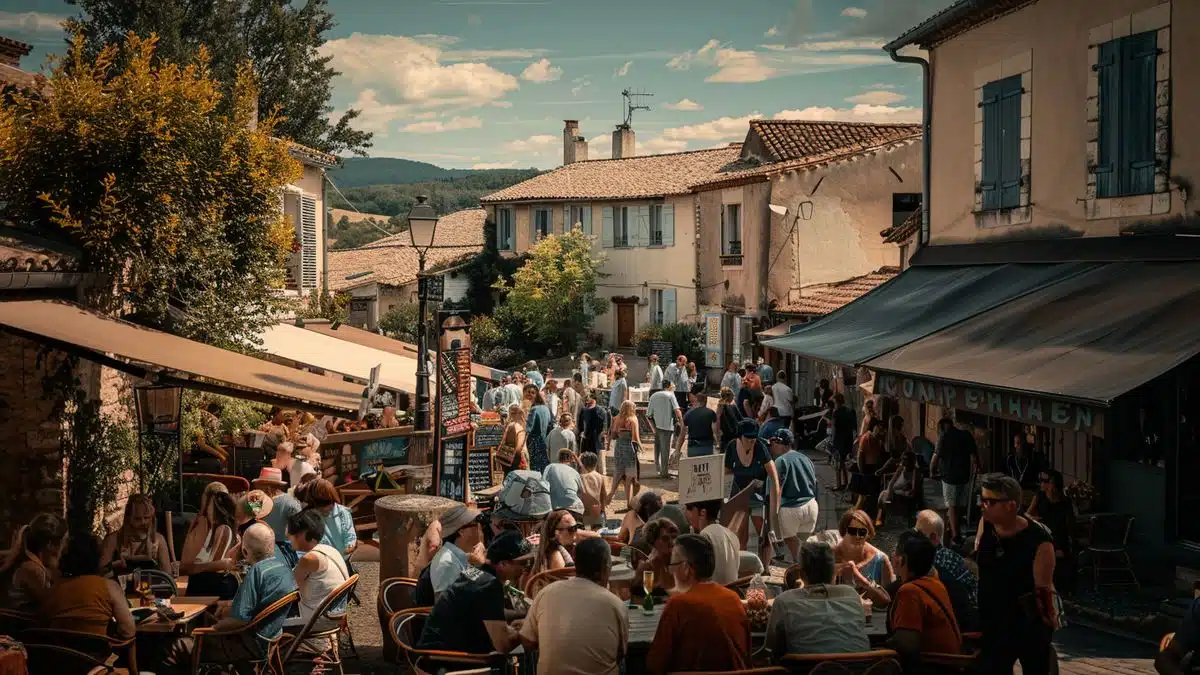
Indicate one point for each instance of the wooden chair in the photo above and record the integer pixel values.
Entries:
(100, 647)
(268, 662)
(395, 594)
(1107, 548)
(773, 670)
(546, 577)
(67, 661)
(328, 623)
(236, 484)
(739, 586)
(403, 627)
(875, 662)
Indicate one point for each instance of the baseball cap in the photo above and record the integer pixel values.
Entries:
(509, 546)
(748, 429)
(784, 437)
(457, 518)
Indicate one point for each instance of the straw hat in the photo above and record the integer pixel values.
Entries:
(256, 503)
(269, 475)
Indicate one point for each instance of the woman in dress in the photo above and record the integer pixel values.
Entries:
(556, 545)
(1052, 509)
(747, 459)
(514, 440)
(860, 563)
(537, 430)
(198, 530)
(660, 535)
(625, 456)
(868, 414)
(728, 418)
(208, 570)
(138, 544)
(33, 563)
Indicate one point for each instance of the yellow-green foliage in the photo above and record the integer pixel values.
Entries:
(160, 180)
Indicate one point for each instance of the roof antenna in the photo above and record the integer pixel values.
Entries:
(632, 102)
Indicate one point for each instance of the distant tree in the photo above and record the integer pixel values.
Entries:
(360, 233)
(400, 322)
(172, 197)
(281, 39)
(552, 297)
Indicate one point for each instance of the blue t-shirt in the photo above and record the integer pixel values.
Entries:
(797, 479)
(266, 582)
(768, 429)
(285, 506)
(743, 475)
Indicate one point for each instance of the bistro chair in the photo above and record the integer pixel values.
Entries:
(162, 584)
(740, 585)
(268, 662)
(100, 647)
(1107, 549)
(875, 662)
(405, 628)
(773, 670)
(67, 661)
(544, 578)
(328, 623)
(395, 594)
(948, 663)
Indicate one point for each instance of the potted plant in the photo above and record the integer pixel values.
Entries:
(1083, 495)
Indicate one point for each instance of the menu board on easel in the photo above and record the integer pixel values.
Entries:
(479, 468)
(452, 468)
(453, 405)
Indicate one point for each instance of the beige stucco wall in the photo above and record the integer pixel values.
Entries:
(1057, 34)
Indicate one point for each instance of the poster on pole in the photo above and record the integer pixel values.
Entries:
(701, 479)
(453, 405)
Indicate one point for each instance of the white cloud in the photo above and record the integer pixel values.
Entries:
(657, 146)
(722, 129)
(881, 85)
(430, 115)
(623, 70)
(859, 113)
(581, 83)
(31, 22)
(541, 72)
(732, 65)
(772, 31)
(438, 126)
(502, 104)
(537, 143)
(854, 12)
(474, 20)
(600, 147)
(877, 97)
(495, 165)
(834, 46)
(396, 73)
(377, 116)
(685, 104)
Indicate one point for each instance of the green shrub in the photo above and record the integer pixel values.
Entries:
(643, 336)
(686, 339)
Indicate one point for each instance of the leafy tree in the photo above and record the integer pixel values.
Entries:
(281, 39)
(359, 233)
(552, 297)
(325, 305)
(172, 198)
(400, 322)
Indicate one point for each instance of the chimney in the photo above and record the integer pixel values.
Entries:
(623, 142)
(581, 151)
(570, 148)
(11, 51)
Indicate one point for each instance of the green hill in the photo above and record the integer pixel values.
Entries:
(359, 171)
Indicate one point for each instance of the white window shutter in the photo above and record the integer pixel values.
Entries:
(586, 219)
(308, 242)
(567, 224)
(533, 231)
(606, 239)
(641, 230)
(668, 225)
(669, 312)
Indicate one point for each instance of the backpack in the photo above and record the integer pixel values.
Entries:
(525, 494)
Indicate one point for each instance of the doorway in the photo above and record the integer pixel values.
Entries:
(626, 323)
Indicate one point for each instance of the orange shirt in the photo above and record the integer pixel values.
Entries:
(79, 603)
(703, 629)
(924, 606)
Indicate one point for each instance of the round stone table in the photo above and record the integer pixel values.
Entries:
(402, 520)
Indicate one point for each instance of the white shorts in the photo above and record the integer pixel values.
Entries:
(798, 521)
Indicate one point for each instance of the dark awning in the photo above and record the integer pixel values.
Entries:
(921, 301)
(1090, 338)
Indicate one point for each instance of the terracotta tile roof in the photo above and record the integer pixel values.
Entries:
(904, 231)
(393, 261)
(21, 79)
(798, 144)
(824, 298)
(312, 156)
(628, 178)
(21, 252)
(954, 20)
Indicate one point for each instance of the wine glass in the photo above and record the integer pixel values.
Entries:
(648, 581)
(142, 584)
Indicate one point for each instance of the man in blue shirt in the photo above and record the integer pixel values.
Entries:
(267, 580)
(798, 491)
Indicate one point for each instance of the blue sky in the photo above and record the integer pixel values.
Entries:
(487, 83)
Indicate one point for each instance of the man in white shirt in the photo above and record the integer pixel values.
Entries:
(663, 411)
(704, 517)
(784, 398)
(731, 379)
(619, 393)
(676, 371)
(655, 374)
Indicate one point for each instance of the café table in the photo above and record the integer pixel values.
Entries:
(193, 608)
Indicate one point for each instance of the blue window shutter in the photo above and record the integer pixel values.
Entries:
(1138, 74)
(606, 239)
(640, 236)
(585, 219)
(668, 308)
(1010, 149)
(567, 224)
(1108, 70)
(668, 225)
(989, 183)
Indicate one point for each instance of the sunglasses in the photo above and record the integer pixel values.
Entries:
(990, 501)
(570, 528)
(857, 531)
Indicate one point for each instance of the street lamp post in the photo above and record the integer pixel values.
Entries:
(422, 223)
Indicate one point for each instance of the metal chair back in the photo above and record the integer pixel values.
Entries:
(1110, 532)
(875, 662)
(64, 661)
(332, 608)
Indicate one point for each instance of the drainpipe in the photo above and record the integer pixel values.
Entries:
(325, 215)
(926, 137)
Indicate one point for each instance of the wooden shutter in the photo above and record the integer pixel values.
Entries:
(606, 237)
(308, 242)
(640, 236)
(1108, 71)
(1010, 150)
(724, 233)
(510, 231)
(993, 140)
(585, 218)
(1139, 59)
(668, 308)
(668, 225)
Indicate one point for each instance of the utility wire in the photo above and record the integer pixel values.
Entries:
(368, 220)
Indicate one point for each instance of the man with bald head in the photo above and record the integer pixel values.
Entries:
(266, 581)
(960, 580)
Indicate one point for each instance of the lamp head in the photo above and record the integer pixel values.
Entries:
(422, 223)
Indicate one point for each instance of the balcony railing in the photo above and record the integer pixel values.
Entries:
(731, 260)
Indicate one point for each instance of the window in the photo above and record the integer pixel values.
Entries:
(656, 225)
(541, 223)
(656, 306)
(301, 209)
(1001, 178)
(504, 230)
(621, 227)
(904, 204)
(1126, 70)
(580, 215)
(731, 233)
(662, 306)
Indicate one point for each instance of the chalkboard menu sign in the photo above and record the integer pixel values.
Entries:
(489, 434)
(479, 468)
(391, 451)
(665, 351)
(452, 468)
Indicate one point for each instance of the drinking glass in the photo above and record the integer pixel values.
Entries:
(648, 581)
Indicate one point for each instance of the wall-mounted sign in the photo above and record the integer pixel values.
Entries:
(452, 468)
(453, 405)
(1025, 408)
(433, 288)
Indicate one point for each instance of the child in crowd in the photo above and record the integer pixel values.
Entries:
(595, 492)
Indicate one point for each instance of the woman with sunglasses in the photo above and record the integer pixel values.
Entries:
(858, 562)
(556, 545)
(660, 535)
(1052, 509)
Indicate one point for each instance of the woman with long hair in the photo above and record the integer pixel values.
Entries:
(556, 545)
(83, 600)
(537, 428)
(208, 570)
(660, 536)
(138, 544)
(339, 522)
(1052, 508)
(198, 530)
(31, 566)
(625, 457)
(858, 562)
(728, 417)
(512, 443)
(868, 414)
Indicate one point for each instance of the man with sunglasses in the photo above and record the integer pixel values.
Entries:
(1018, 608)
(469, 615)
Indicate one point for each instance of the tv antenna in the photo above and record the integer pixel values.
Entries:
(633, 101)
